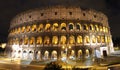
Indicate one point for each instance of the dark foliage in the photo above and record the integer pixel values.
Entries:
(53, 66)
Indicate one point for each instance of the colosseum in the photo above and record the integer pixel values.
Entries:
(59, 32)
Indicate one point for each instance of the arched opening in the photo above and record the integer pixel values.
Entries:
(40, 27)
(26, 41)
(16, 31)
(55, 40)
(71, 26)
(93, 39)
(24, 54)
(91, 27)
(47, 27)
(104, 29)
(46, 55)
(34, 27)
(72, 55)
(55, 27)
(17, 41)
(54, 55)
(19, 54)
(38, 55)
(79, 39)
(78, 26)
(87, 53)
(19, 30)
(103, 39)
(39, 40)
(79, 54)
(23, 29)
(101, 29)
(104, 53)
(28, 28)
(85, 27)
(96, 28)
(71, 39)
(32, 40)
(63, 26)
(87, 39)
(63, 40)
(46, 40)
(98, 39)
(31, 55)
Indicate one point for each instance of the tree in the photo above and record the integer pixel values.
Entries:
(53, 66)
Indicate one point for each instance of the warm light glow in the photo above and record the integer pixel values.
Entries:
(69, 47)
(55, 27)
(3, 45)
(47, 27)
(63, 39)
(63, 47)
(63, 26)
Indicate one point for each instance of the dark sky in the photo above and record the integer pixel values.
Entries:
(10, 8)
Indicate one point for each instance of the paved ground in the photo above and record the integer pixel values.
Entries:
(17, 64)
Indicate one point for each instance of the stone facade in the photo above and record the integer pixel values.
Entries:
(59, 32)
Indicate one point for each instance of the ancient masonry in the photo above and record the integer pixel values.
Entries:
(59, 32)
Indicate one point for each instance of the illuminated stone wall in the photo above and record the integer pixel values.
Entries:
(48, 33)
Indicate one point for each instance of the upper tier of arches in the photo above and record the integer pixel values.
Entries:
(59, 13)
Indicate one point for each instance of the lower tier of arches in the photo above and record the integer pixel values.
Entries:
(54, 53)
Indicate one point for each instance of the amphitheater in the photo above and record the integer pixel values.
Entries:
(59, 32)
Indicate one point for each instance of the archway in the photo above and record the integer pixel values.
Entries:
(31, 55)
(38, 55)
(24, 54)
(72, 54)
(46, 55)
(79, 54)
(87, 53)
(54, 55)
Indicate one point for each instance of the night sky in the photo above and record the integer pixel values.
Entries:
(10, 8)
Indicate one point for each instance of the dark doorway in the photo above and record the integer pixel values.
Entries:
(104, 53)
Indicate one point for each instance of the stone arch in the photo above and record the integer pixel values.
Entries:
(93, 39)
(86, 39)
(80, 53)
(34, 27)
(26, 40)
(63, 40)
(38, 55)
(71, 26)
(28, 28)
(71, 39)
(32, 40)
(91, 27)
(78, 26)
(23, 29)
(25, 54)
(96, 28)
(87, 53)
(39, 40)
(55, 27)
(46, 40)
(79, 39)
(31, 55)
(55, 40)
(63, 26)
(85, 27)
(40, 27)
(47, 27)
(46, 55)
(54, 54)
